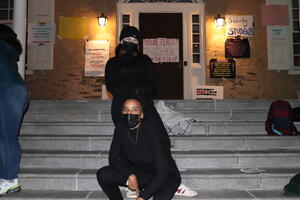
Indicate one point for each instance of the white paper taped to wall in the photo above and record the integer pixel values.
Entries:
(96, 56)
(206, 92)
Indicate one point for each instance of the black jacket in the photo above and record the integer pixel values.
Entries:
(130, 77)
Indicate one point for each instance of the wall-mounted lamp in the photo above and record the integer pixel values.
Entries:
(102, 20)
(220, 21)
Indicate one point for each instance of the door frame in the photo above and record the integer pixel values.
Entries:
(187, 10)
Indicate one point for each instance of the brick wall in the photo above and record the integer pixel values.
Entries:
(67, 80)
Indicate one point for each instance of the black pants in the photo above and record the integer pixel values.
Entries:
(109, 180)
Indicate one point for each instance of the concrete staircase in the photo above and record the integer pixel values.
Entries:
(65, 142)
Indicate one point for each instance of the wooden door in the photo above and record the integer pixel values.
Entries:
(168, 75)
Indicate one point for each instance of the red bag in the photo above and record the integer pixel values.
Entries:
(280, 119)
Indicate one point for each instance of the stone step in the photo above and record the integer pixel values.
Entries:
(105, 116)
(184, 159)
(229, 104)
(225, 104)
(98, 195)
(179, 143)
(204, 179)
(102, 128)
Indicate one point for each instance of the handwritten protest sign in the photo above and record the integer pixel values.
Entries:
(239, 25)
(162, 50)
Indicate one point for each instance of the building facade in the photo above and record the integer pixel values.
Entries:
(270, 70)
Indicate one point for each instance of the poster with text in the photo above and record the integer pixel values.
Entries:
(237, 25)
(41, 33)
(222, 68)
(206, 92)
(162, 50)
(96, 56)
(237, 48)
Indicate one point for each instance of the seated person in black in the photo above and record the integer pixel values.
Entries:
(139, 158)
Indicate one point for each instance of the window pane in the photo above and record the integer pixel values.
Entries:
(3, 15)
(11, 14)
(126, 19)
(296, 25)
(296, 49)
(296, 37)
(4, 4)
(196, 58)
(195, 19)
(196, 48)
(296, 14)
(196, 28)
(195, 38)
(295, 4)
(297, 60)
(11, 4)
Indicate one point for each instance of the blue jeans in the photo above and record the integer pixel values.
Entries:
(13, 104)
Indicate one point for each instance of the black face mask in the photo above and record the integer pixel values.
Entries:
(131, 120)
(129, 48)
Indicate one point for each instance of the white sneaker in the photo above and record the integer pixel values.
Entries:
(9, 186)
(130, 194)
(185, 191)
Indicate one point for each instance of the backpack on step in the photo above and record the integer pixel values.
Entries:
(296, 114)
(293, 187)
(280, 119)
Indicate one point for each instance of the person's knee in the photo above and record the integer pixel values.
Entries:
(102, 174)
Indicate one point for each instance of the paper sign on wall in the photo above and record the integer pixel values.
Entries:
(41, 33)
(239, 25)
(96, 56)
(162, 50)
(73, 27)
(275, 15)
(279, 32)
(208, 92)
(222, 68)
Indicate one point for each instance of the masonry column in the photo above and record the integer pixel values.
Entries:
(19, 25)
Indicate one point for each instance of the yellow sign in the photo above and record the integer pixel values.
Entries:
(73, 27)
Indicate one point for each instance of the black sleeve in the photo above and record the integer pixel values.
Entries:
(116, 157)
(148, 88)
(162, 162)
(110, 79)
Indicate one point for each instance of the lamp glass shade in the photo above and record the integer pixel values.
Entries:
(220, 21)
(102, 20)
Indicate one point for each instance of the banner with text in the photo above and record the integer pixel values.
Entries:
(96, 56)
(237, 25)
(162, 50)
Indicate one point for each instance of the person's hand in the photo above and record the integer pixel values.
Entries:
(133, 183)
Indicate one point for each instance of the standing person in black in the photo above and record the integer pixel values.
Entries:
(139, 158)
(129, 73)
